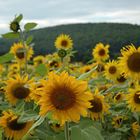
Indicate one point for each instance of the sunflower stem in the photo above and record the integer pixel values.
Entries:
(67, 132)
(24, 45)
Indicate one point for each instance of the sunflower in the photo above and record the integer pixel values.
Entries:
(135, 127)
(103, 87)
(12, 129)
(63, 41)
(54, 64)
(56, 127)
(100, 52)
(118, 121)
(99, 106)
(1, 68)
(120, 79)
(133, 99)
(86, 68)
(100, 67)
(111, 70)
(65, 97)
(130, 61)
(35, 91)
(17, 88)
(19, 50)
(14, 67)
(38, 60)
(119, 97)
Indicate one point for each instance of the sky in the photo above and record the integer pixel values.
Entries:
(56, 12)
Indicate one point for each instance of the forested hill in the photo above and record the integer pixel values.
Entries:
(84, 36)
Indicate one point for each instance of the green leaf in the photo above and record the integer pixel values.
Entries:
(88, 133)
(6, 58)
(1, 132)
(19, 18)
(20, 106)
(11, 35)
(37, 123)
(28, 115)
(29, 40)
(29, 26)
(41, 70)
(87, 74)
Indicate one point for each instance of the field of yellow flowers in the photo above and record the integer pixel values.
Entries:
(51, 98)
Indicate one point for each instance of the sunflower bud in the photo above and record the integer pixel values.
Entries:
(14, 26)
(62, 53)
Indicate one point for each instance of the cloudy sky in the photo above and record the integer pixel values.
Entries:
(55, 12)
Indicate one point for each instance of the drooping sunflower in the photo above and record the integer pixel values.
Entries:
(111, 70)
(38, 60)
(133, 99)
(130, 61)
(99, 106)
(18, 50)
(65, 97)
(63, 41)
(18, 88)
(101, 52)
(12, 129)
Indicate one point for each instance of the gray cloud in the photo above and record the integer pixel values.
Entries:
(53, 12)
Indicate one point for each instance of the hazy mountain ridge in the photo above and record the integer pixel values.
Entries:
(84, 36)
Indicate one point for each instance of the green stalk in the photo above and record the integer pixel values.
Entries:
(25, 53)
(67, 132)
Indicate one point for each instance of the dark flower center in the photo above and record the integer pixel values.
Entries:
(14, 125)
(137, 98)
(133, 62)
(101, 52)
(21, 92)
(121, 79)
(119, 121)
(57, 125)
(62, 98)
(97, 105)
(54, 64)
(112, 70)
(64, 43)
(20, 53)
(118, 96)
(87, 70)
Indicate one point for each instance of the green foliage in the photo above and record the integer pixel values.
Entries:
(11, 35)
(19, 18)
(29, 26)
(85, 37)
(6, 58)
(41, 70)
(85, 130)
(29, 39)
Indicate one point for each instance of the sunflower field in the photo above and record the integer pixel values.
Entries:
(51, 98)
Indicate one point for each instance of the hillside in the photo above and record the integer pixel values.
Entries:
(85, 36)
